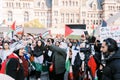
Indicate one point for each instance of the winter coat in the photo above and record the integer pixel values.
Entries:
(15, 69)
(58, 58)
(112, 69)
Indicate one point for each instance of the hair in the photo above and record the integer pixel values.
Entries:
(42, 44)
(4, 43)
(16, 52)
(92, 39)
(112, 44)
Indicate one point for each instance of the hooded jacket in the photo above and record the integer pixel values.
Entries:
(112, 69)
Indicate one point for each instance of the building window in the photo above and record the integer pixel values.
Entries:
(100, 22)
(18, 5)
(83, 21)
(10, 16)
(63, 3)
(83, 14)
(55, 13)
(94, 7)
(118, 7)
(62, 18)
(12, 5)
(38, 4)
(66, 3)
(91, 15)
(76, 3)
(43, 5)
(96, 22)
(100, 15)
(88, 22)
(72, 18)
(56, 21)
(67, 17)
(70, 3)
(73, 3)
(77, 18)
(7, 4)
(26, 16)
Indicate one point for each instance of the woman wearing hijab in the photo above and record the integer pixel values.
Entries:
(14, 67)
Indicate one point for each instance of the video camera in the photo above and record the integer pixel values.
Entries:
(86, 49)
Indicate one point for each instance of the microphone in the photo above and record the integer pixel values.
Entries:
(26, 56)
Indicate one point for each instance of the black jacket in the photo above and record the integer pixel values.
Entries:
(112, 69)
(15, 69)
(58, 58)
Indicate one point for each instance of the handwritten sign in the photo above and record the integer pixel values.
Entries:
(111, 32)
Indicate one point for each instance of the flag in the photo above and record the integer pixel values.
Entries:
(3, 22)
(13, 26)
(19, 30)
(74, 29)
(46, 33)
(92, 65)
(92, 27)
(68, 31)
(104, 23)
(71, 73)
(67, 65)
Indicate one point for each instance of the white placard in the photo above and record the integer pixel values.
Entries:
(112, 32)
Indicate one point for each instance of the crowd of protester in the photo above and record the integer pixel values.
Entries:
(33, 55)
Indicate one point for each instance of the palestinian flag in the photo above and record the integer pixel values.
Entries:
(74, 29)
(46, 33)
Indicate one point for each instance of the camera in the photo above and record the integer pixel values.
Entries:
(86, 49)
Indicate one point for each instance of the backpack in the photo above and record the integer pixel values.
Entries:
(4, 63)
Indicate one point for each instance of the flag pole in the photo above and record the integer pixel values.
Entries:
(12, 34)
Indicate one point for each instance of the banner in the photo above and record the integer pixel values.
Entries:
(111, 32)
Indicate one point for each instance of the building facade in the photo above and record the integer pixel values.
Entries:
(57, 13)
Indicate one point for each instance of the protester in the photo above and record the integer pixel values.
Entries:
(14, 66)
(38, 56)
(111, 53)
(5, 50)
(48, 58)
(58, 60)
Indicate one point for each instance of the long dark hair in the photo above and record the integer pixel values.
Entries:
(112, 44)
(16, 52)
(42, 44)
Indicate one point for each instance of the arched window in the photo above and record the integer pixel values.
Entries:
(10, 16)
(26, 16)
(76, 3)
(43, 5)
(66, 3)
(94, 6)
